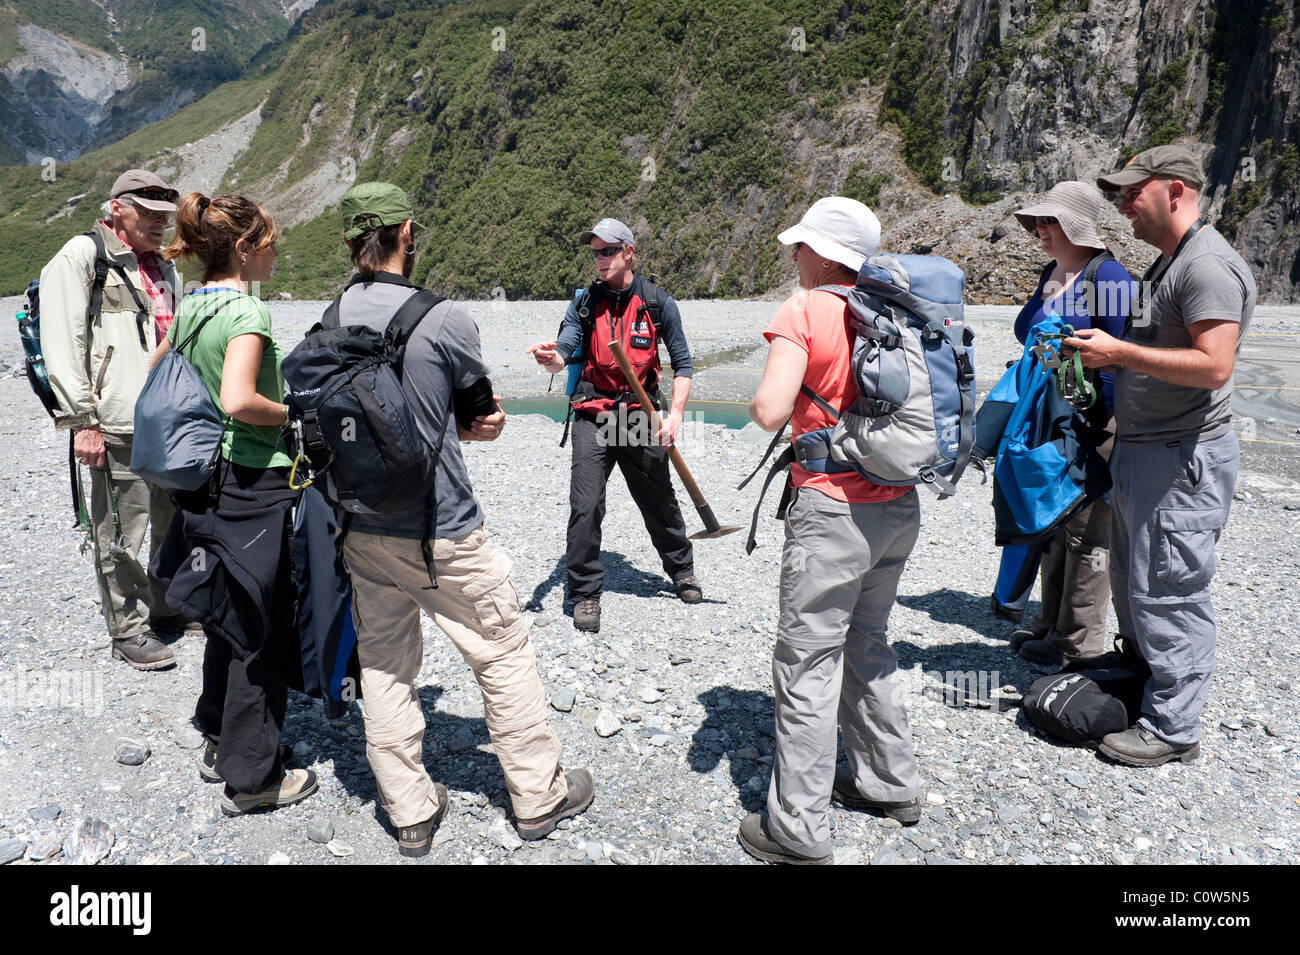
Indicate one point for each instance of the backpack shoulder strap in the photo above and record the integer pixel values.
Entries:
(1089, 281)
(331, 317)
(180, 347)
(409, 316)
(103, 265)
(653, 299)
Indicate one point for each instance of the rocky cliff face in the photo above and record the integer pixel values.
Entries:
(83, 74)
(1041, 91)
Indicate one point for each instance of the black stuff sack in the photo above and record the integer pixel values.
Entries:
(1089, 698)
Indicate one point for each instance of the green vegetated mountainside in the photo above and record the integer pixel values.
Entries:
(94, 70)
(709, 126)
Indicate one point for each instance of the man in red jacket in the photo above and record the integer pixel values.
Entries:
(609, 426)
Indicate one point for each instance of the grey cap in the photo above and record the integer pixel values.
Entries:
(1158, 162)
(608, 230)
(1076, 206)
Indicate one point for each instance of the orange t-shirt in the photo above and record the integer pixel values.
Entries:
(815, 322)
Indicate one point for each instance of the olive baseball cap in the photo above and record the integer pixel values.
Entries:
(1158, 162)
(369, 205)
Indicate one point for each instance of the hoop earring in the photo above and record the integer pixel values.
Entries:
(410, 249)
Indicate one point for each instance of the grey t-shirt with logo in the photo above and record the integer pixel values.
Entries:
(442, 354)
(1207, 280)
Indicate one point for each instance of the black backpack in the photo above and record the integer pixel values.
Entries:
(1090, 698)
(349, 417)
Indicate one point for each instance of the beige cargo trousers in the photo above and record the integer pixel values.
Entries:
(475, 604)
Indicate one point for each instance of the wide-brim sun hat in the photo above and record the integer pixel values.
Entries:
(1076, 206)
(838, 229)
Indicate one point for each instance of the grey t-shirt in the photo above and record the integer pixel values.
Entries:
(1207, 280)
(441, 355)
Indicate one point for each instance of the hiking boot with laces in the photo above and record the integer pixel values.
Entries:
(581, 791)
(144, 651)
(294, 786)
(845, 792)
(755, 840)
(1138, 746)
(208, 767)
(688, 589)
(415, 841)
(586, 615)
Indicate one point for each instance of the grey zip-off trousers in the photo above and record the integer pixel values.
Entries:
(839, 576)
(1168, 507)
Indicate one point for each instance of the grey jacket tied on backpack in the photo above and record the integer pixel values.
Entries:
(96, 366)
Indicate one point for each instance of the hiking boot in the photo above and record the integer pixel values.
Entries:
(144, 651)
(1003, 612)
(295, 786)
(1042, 652)
(176, 624)
(1138, 746)
(208, 767)
(586, 615)
(415, 841)
(688, 589)
(1019, 638)
(845, 792)
(581, 791)
(755, 840)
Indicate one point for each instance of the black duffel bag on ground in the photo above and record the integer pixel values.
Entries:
(1090, 698)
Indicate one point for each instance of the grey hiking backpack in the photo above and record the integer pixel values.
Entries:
(913, 421)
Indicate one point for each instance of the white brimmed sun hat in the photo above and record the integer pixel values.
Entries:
(838, 229)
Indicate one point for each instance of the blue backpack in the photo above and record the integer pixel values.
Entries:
(178, 427)
(1047, 468)
(913, 362)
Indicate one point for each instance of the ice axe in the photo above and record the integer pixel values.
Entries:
(711, 526)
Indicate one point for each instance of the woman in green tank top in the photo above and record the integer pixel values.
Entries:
(239, 581)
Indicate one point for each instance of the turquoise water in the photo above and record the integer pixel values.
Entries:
(731, 414)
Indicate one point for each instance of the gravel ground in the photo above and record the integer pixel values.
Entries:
(669, 705)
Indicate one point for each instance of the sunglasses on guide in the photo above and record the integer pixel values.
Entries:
(608, 252)
(155, 194)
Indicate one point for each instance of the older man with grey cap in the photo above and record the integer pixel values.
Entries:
(609, 426)
(107, 300)
(1175, 457)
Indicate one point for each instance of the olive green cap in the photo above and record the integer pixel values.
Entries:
(369, 205)
(1158, 162)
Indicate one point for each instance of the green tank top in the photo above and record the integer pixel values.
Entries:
(252, 445)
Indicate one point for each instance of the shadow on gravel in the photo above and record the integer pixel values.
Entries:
(621, 577)
(451, 756)
(737, 722)
(956, 606)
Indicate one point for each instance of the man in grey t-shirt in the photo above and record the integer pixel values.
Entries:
(1175, 458)
(474, 601)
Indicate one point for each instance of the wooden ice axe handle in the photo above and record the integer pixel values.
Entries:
(693, 489)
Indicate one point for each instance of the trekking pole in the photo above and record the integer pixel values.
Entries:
(711, 526)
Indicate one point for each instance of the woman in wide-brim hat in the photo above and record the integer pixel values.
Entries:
(1071, 621)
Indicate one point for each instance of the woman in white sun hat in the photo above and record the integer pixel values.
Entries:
(1071, 621)
(846, 543)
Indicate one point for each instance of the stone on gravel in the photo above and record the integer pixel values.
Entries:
(46, 847)
(46, 813)
(620, 857)
(339, 849)
(12, 849)
(677, 659)
(189, 738)
(607, 724)
(650, 694)
(320, 829)
(562, 699)
(279, 858)
(131, 752)
(89, 841)
(501, 833)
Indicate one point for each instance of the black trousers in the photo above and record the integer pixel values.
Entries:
(599, 444)
(243, 701)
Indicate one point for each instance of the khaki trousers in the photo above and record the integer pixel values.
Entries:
(132, 599)
(475, 604)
